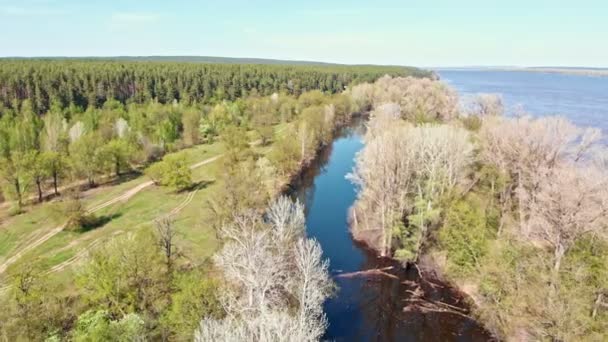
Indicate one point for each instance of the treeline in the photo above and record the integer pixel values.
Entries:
(38, 153)
(84, 119)
(90, 83)
(513, 210)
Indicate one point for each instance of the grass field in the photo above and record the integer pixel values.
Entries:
(196, 239)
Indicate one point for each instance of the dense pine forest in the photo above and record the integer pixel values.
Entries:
(89, 83)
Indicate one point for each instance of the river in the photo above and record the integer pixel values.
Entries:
(370, 307)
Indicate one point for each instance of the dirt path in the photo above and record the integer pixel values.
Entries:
(205, 162)
(124, 197)
(83, 252)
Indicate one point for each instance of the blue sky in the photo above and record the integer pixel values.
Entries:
(421, 33)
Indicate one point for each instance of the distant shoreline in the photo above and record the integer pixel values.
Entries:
(581, 71)
(570, 71)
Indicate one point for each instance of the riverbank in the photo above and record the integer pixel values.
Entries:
(377, 299)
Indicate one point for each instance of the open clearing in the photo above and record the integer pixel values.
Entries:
(37, 237)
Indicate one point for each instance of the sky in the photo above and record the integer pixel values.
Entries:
(430, 33)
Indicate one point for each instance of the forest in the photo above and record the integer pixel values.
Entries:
(512, 210)
(90, 83)
(71, 128)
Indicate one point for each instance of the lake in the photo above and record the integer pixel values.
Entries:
(582, 99)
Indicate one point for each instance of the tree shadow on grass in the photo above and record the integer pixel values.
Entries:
(123, 178)
(97, 222)
(196, 186)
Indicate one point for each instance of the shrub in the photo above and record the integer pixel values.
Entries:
(173, 171)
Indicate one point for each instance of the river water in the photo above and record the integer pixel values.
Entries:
(370, 307)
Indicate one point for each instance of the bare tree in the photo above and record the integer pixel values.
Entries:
(269, 264)
(121, 128)
(420, 99)
(484, 105)
(77, 131)
(382, 119)
(399, 165)
(54, 127)
(526, 148)
(273, 326)
(568, 204)
(312, 288)
(287, 220)
(166, 234)
(362, 95)
(383, 173)
(247, 260)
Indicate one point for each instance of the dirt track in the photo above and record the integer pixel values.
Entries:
(124, 197)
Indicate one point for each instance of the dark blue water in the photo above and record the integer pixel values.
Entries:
(582, 99)
(369, 308)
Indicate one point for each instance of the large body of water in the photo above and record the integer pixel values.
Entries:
(374, 307)
(582, 99)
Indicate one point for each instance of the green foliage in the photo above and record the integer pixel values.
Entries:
(117, 153)
(16, 175)
(465, 234)
(285, 155)
(34, 308)
(87, 157)
(73, 210)
(236, 142)
(191, 120)
(94, 326)
(118, 132)
(221, 116)
(55, 166)
(587, 263)
(311, 98)
(195, 297)
(173, 171)
(36, 167)
(124, 276)
(242, 189)
(410, 238)
(156, 172)
(266, 133)
(511, 280)
(343, 106)
(136, 113)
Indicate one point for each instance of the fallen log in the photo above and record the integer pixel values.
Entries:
(425, 309)
(436, 304)
(371, 272)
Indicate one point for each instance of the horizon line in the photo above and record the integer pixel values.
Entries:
(470, 66)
